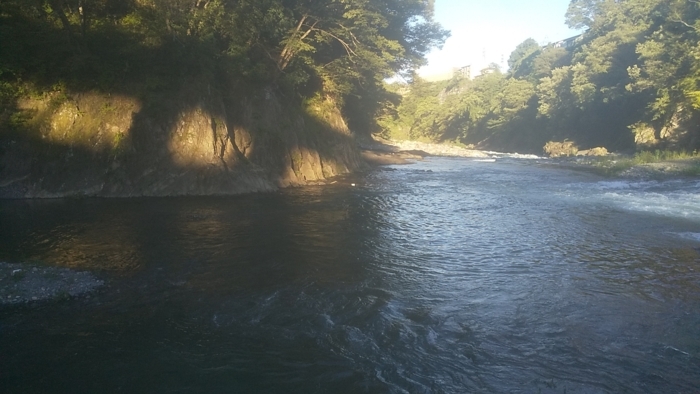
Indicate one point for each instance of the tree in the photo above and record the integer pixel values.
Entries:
(583, 13)
(521, 59)
(340, 50)
(547, 60)
(638, 63)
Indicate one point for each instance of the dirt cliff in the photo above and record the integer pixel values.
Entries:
(196, 141)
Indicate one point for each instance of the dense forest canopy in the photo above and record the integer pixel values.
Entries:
(343, 49)
(632, 79)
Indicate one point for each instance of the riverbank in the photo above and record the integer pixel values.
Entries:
(378, 151)
(386, 152)
(621, 166)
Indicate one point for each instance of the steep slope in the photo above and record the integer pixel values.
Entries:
(195, 142)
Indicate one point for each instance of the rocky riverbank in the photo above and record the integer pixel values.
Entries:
(621, 166)
(378, 151)
(437, 149)
(23, 283)
(385, 152)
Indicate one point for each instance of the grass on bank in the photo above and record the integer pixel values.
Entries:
(610, 166)
(656, 156)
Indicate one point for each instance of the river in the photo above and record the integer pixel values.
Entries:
(444, 276)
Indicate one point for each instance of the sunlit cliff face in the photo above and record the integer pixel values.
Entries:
(198, 138)
(104, 144)
(104, 123)
(90, 121)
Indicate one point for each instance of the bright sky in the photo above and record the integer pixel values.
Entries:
(487, 31)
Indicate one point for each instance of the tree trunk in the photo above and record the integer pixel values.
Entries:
(84, 22)
(57, 7)
(288, 51)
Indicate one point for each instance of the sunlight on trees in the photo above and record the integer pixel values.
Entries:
(638, 63)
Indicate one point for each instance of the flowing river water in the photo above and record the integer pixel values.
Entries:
(444, 276)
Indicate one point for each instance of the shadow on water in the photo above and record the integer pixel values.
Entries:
(196, 285)
(122, 236)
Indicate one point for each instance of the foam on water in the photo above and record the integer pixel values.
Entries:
(674, 204)
(513, 155)
(689, 236)
(674, 198)
(621, 184)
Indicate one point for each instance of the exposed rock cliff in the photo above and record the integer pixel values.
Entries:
(194, 142)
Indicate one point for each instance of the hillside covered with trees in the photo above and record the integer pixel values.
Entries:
(630, 81)
(166, 97)
(157, 94)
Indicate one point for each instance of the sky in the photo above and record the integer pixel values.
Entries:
(487, 31)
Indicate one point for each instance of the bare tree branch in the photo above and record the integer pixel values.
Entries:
(684, 23)
(287, 52)
(354, 39)
(303, 30)
(345, 45)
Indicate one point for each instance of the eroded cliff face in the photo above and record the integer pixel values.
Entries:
(195, 142)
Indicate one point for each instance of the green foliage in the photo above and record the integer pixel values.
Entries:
(559, 149)
(637, 64)
(657, 155)
(582, 13)
(146, 48)
(611, 167)
(689, 165)
(521, 60)
(460, 109)
(548, 59)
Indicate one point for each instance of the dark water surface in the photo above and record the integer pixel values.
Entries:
(447, 276)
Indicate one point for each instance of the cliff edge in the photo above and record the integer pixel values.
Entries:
(197, 141)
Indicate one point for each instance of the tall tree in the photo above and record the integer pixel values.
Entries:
(521, 59)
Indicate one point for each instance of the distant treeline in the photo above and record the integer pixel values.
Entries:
(342, 49)
(631, 80)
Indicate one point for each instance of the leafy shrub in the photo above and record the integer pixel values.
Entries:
(560, 149)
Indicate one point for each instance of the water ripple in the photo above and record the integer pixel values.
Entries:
(446, 276)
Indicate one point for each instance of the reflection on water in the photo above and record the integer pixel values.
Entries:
(446, 276)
